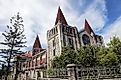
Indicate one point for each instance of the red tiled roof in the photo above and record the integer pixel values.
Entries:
(60, 17)
(88, 28)
(27, 54)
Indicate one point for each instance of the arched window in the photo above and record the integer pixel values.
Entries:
(86, 39)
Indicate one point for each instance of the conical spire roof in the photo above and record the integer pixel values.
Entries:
(60, 17)
(37, 43)
(88, 28)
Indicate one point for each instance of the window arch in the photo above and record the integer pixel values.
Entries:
(86, 39)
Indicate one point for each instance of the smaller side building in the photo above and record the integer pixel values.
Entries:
(32, 62)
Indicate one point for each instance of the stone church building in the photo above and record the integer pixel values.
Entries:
(62, 34)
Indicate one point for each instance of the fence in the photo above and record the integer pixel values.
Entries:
(93, 73)
(57, 74)
(54, 74)
(99, 73)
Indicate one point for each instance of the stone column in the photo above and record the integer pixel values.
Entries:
(71, 68)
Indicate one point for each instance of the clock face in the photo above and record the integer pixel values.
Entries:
(86, 39)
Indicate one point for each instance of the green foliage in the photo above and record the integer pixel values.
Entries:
(14, 40)
(115, 46)
(106, 57)
(50, 72)
(115, 42)
(67, 57)
(85, 56)
(88, 55)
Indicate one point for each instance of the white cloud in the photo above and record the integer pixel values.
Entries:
(39, 15)
(113, 30)
(95, 14)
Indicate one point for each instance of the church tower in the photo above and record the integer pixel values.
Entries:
(37, 46)
(88, 37)
(61, 35)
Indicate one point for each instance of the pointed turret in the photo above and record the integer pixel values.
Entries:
(37, 43)
(60, 17)
(88, 28)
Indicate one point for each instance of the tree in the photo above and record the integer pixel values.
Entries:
(14, 40)
(2, 71)
(90, 55)
(67, 57)
(106, 57)
(115, 45)
(86, 56)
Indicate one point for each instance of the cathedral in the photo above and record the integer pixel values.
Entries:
(61, 35)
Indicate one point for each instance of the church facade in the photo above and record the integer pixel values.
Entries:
(61, 35)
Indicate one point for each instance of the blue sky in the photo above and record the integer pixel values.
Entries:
(113, 9)
(104, 16)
